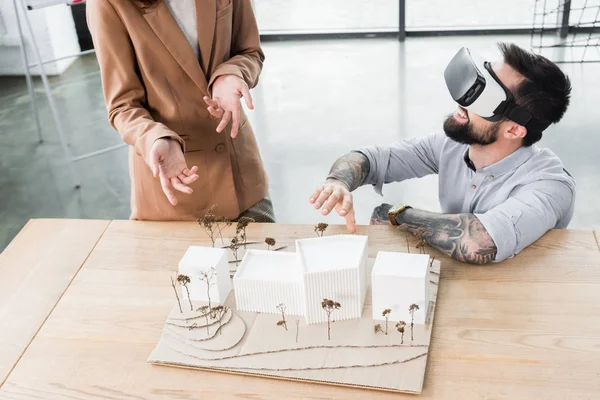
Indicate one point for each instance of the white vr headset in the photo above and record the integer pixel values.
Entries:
(474, 85)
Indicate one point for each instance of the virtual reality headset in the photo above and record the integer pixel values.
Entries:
(474, 86)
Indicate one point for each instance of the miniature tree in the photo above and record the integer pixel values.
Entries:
(241, 228)
(210, 278)
(209, 223)
(400, 326)
(411, 310)
(222, 223)
(320, 228)
(281, 308)
(386, 314)
(205, 310)
(219, 312)
(234, 246)
(176, 295)
(183, 281)
(377, 328)
(420, 233)
(329, 306)
(270, 242)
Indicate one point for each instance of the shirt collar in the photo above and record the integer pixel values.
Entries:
(508, 163)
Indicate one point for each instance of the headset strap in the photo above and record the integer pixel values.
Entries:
(521, 116)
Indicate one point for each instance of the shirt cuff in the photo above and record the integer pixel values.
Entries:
(379, 159)
(502, 231)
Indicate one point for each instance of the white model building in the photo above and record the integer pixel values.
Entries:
(198, 260)
(267, 278)
(332, 267)
(397, 281)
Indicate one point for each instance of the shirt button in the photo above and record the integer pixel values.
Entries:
(474, 187)
(220, 148)
(491, 176)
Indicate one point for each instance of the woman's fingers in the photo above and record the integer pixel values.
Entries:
(224, 121)
(178, 185)
(325, 193)
(315, 195)
(235, 122)
(247, 97)
(167, 188)
(187, 180)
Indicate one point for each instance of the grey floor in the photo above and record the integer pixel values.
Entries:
(315, 101)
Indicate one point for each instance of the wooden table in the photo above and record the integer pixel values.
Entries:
(83, 303)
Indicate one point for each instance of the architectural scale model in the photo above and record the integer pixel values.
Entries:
(304, 314)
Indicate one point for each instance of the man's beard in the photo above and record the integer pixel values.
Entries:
(464, 133)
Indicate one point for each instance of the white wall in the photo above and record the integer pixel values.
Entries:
(55, 35)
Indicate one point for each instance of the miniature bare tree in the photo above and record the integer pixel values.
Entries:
(209, 223)
(210, 278)
(281, 308)
(377, 328)
(222, 223)
(205, 310)
(329, 306)
(176, 294)
(234, 246)
(412, 309)
(400, 326)
(242, 224)
(183, 281)
(270, 242)
(320, 228)
(386, 314)
(219, 312)
(420, 233)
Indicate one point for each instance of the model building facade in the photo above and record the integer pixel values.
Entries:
(399, 280)
(207, 269)
(333, 267)
(266, 279)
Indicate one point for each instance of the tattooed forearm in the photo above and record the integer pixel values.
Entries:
(461, 236)
(351, 169)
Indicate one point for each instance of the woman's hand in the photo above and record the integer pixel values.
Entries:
(168, 163)
(225, 103)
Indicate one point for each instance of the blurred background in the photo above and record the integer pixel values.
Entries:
(338, 74)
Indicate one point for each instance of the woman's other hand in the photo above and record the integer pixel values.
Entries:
(225, 103)
(168, 163)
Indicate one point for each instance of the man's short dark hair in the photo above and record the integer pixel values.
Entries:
(545, 91)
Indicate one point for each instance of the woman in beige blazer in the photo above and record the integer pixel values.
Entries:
(173, 74)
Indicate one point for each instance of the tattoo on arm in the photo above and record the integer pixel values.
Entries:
(351, 169)
(461, 236)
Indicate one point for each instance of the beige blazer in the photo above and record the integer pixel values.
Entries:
(153, 86)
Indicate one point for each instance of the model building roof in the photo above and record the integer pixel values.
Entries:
(269, 266)
(197, 255)
(401, 264)
(330, 252)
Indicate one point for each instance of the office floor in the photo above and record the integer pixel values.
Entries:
(315, 101)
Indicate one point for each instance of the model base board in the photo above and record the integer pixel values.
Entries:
(255, 344)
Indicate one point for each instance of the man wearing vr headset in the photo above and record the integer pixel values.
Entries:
(498, 191)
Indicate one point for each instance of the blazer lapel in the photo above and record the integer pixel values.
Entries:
(206, 15)
(172, 37)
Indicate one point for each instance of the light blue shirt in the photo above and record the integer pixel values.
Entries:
(517, 199)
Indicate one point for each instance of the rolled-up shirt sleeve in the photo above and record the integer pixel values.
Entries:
(527, 215)
(413, 158)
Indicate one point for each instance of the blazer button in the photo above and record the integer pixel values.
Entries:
(220, 148)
